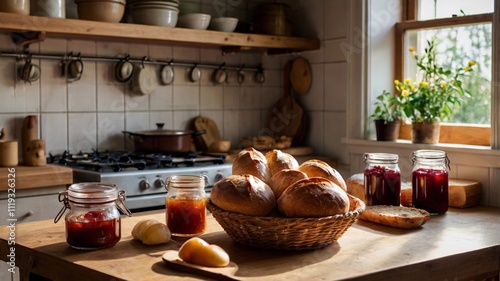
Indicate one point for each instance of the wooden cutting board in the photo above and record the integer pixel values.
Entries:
(37, 176)
(211, 134)
(286, 116)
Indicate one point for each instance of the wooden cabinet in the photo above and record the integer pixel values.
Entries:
(91, 30)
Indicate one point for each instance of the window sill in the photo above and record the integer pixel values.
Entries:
(406, 144)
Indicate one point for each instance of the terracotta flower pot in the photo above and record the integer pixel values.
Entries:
(425, 132)
(387, 131)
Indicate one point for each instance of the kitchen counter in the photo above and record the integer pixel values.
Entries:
(461, 245)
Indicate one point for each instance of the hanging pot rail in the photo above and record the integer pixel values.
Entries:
(144, 60)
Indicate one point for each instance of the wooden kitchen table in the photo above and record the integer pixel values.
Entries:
(463, 244)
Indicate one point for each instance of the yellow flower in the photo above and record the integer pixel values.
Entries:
(405, 93)
(396, 82)
(411, 49)
(407, 81)
(467, 68)
(443, 85)
(423, 84)
(472, 63)
(412, 88)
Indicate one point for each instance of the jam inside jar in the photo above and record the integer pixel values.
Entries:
(430, 181)
(185, 205)
(93, 221)
(382, 179)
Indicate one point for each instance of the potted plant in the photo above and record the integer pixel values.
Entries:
(387, 116)
(434, 97)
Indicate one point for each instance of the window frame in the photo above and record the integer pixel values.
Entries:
(450, 133)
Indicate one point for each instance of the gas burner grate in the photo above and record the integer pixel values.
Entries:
(117, 161)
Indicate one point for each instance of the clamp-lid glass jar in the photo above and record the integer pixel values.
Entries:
(382, 179)
(185, 205)
(430, 181)
(93, 221)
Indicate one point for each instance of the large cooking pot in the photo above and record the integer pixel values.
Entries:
(163, 141)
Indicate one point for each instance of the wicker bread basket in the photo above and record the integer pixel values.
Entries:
(286, 233)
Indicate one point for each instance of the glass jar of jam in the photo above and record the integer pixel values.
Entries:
(382, 179)
(185, 205)
(430, 181)
(93, 221)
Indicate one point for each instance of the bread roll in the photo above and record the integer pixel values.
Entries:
(395, 216)
(318, 168)
(356, 186)
(313, 197)
(253, 162)
(278, 160)
(283, 179)
(151, 232)
(244, 194)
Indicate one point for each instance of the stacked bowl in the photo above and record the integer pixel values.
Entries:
(101, 10)
(153, 12)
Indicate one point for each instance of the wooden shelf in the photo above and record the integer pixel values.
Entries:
(92, 30)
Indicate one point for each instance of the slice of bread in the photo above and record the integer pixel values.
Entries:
(395, 216)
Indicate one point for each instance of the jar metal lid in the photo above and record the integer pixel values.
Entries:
(381, 157)
(187, 181)
(92, 192)
(429, 154)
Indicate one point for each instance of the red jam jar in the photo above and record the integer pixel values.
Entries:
(382, 179)
(93, 221)
(430, 181)
(185, 205)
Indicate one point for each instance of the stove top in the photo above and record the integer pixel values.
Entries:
(116, 161)
(142, 176)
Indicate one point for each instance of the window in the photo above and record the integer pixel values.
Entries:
(463, 31)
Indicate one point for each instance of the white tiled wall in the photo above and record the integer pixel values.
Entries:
(93, 112)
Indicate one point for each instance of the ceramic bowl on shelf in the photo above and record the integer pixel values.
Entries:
(194, 21)
(152, 15)
(15, 6)
(101, 10)
(225, 24)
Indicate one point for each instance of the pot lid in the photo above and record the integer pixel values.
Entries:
(161, 132)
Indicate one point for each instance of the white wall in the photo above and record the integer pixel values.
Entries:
(92, 112)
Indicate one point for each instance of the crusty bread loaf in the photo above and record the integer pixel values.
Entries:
(244, 194)
(253, 162)
(317, 168)
(356, 186)
(313, 197)
(395, 216)
(278, 160)
(283, 179)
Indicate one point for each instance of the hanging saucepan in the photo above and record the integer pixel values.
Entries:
(167, 74)
(124, 70)
(163, 141)
(220, 75)
(75, 69)
(259, 76)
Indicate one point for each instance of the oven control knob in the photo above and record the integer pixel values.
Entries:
(144, 184)
(218, 176)
(159, 183)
